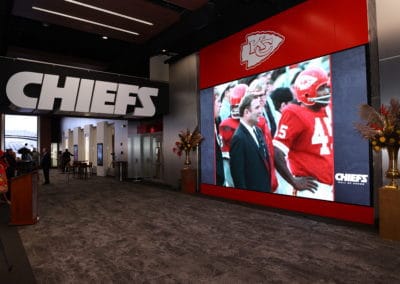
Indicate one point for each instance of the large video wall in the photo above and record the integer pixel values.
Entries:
(348, 153)
(330, 166)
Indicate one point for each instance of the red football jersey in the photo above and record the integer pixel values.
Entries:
(226, 129)
(305, 136)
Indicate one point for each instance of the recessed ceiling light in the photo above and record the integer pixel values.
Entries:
(83, 20)
(104, 37)
(109, 12)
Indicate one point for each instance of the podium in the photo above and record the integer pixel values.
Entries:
(389, 213)
(24, 199)
(189, 180)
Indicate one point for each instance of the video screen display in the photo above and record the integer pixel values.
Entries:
(290, 130)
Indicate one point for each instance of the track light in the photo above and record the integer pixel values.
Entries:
(83, 20)
(109, 12)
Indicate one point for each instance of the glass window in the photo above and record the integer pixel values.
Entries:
(20, 130)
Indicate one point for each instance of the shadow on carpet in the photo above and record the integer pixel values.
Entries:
(14, 263)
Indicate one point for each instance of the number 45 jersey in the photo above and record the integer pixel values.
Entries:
(305, 136)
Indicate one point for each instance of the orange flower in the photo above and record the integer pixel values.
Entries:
(188, 141)
(380, 128)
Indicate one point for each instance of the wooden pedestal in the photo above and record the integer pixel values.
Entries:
(389, 214)
(189, 180)
(24, 199)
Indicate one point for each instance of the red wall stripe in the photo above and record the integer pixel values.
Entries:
(341, 211)
(311, 29)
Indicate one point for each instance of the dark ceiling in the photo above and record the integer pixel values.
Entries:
(50, 30)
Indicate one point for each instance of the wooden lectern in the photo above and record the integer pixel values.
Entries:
(389, 213)
(24, 199)
(189, 180)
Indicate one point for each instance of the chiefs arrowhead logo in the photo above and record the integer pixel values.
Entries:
(304, 82)
(259, 46)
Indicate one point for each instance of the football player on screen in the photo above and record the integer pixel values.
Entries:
(304, 143)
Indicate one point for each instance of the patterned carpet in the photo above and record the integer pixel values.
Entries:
(101, 230)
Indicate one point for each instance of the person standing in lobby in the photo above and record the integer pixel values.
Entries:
(26, 154)
(65, 159)
(45, 164)
(35, 158)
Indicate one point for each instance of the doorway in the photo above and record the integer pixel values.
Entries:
(146, 156)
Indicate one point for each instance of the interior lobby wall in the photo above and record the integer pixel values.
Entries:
(79, 141)
(388, 30)
(159, 71)
(133, 150)
(103, 130)
(121, 140)
(89, 131)
(101, 170)
(183, 114)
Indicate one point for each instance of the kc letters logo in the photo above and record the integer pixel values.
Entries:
(259, 46)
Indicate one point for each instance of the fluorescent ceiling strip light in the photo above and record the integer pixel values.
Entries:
(71, 66)
(109, 12)
(51, 63)
(83, 20)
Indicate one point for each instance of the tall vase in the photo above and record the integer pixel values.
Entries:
(187, 163)
(393, 173)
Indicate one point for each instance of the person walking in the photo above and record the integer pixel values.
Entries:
(25, 153)
(45, 164)
(65, 159)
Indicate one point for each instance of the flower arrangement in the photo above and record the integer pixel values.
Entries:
(382, 128)
(188, 141)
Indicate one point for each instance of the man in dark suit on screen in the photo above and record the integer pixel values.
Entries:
(250, 161)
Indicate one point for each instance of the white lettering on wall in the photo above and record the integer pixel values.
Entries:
(16, 85)
(103, 97)
(351, 178)
(84, 95)
(81, 95)
(148, 108)
(50, 91)
(124, 98)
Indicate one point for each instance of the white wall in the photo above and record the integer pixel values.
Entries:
(100, 131)
(90, 132)
(78, 139)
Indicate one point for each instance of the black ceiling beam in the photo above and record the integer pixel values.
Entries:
(5, 14)
(214, 21)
